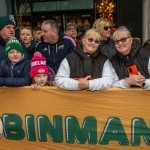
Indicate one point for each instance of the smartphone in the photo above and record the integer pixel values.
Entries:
(132, 70)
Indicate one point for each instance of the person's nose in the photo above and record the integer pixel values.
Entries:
(41, 78)
(12, 29)
(15, 53)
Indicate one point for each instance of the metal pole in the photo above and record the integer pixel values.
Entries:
(145, 20)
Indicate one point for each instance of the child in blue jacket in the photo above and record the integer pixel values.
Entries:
(15, 69)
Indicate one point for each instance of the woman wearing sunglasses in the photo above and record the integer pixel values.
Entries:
(106, 43)
(131, 63)
(86, 67)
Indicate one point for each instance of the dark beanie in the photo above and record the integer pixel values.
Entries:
(4, 21)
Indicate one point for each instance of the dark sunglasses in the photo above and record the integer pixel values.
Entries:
(122, 40)
(107, 27)
(92, 40)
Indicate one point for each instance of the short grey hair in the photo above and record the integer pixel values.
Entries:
(122, 29)
(53, 24)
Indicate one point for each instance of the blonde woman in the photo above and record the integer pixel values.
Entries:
(86, 67)
(106, 43)
(26, 36)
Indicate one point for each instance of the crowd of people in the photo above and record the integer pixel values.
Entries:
(104, 57)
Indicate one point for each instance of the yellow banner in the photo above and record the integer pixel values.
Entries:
(52, 118)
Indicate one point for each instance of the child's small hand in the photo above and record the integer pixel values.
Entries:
(35, 86)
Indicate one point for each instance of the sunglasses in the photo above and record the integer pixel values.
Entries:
(122, 40)
(91, 40)
(107, 27)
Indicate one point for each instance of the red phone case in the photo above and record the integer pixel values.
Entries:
(132, 70)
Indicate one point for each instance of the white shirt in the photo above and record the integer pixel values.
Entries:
(64, 81)
(122, 84)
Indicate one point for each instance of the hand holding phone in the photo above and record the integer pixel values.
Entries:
(132, 70)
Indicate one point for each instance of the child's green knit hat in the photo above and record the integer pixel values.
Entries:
(13, 44)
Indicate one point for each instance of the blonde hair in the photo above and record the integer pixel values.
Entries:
(121, 29)
(91, 32)
(99, 25)
(28, 28)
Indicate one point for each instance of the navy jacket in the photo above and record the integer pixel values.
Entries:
(15, 75)
(2, 46)
(55, 53)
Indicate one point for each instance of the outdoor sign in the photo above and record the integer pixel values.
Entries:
(56, 119)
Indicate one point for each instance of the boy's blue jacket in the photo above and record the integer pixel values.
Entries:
(15, 75)
(55, 53)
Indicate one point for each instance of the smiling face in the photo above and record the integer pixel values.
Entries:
(91, 41)
(106, 31)
(14, 56)
(103, 27)
(41, 79)
(123, 41)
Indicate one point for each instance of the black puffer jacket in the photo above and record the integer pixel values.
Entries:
(137, 56)
(84, 64)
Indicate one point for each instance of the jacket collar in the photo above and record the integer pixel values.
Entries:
(2, 41)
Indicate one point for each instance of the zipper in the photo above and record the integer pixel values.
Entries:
(12, 66)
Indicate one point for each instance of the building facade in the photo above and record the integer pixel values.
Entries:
(132, 14)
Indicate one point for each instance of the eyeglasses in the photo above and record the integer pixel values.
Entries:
(92, 40)
(71, 29)
(122, 40)
(107, 27)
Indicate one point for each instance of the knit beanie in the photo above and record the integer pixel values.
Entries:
(38, 65)
(4, 21)
(13, 43)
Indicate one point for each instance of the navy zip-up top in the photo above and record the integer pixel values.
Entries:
(16, 75)
(55, 53)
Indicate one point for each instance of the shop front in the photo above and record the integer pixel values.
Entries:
(83, 12)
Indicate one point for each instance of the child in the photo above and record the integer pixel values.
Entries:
(15, 69)
(40, 73)
(26, 36)
(37, 33)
